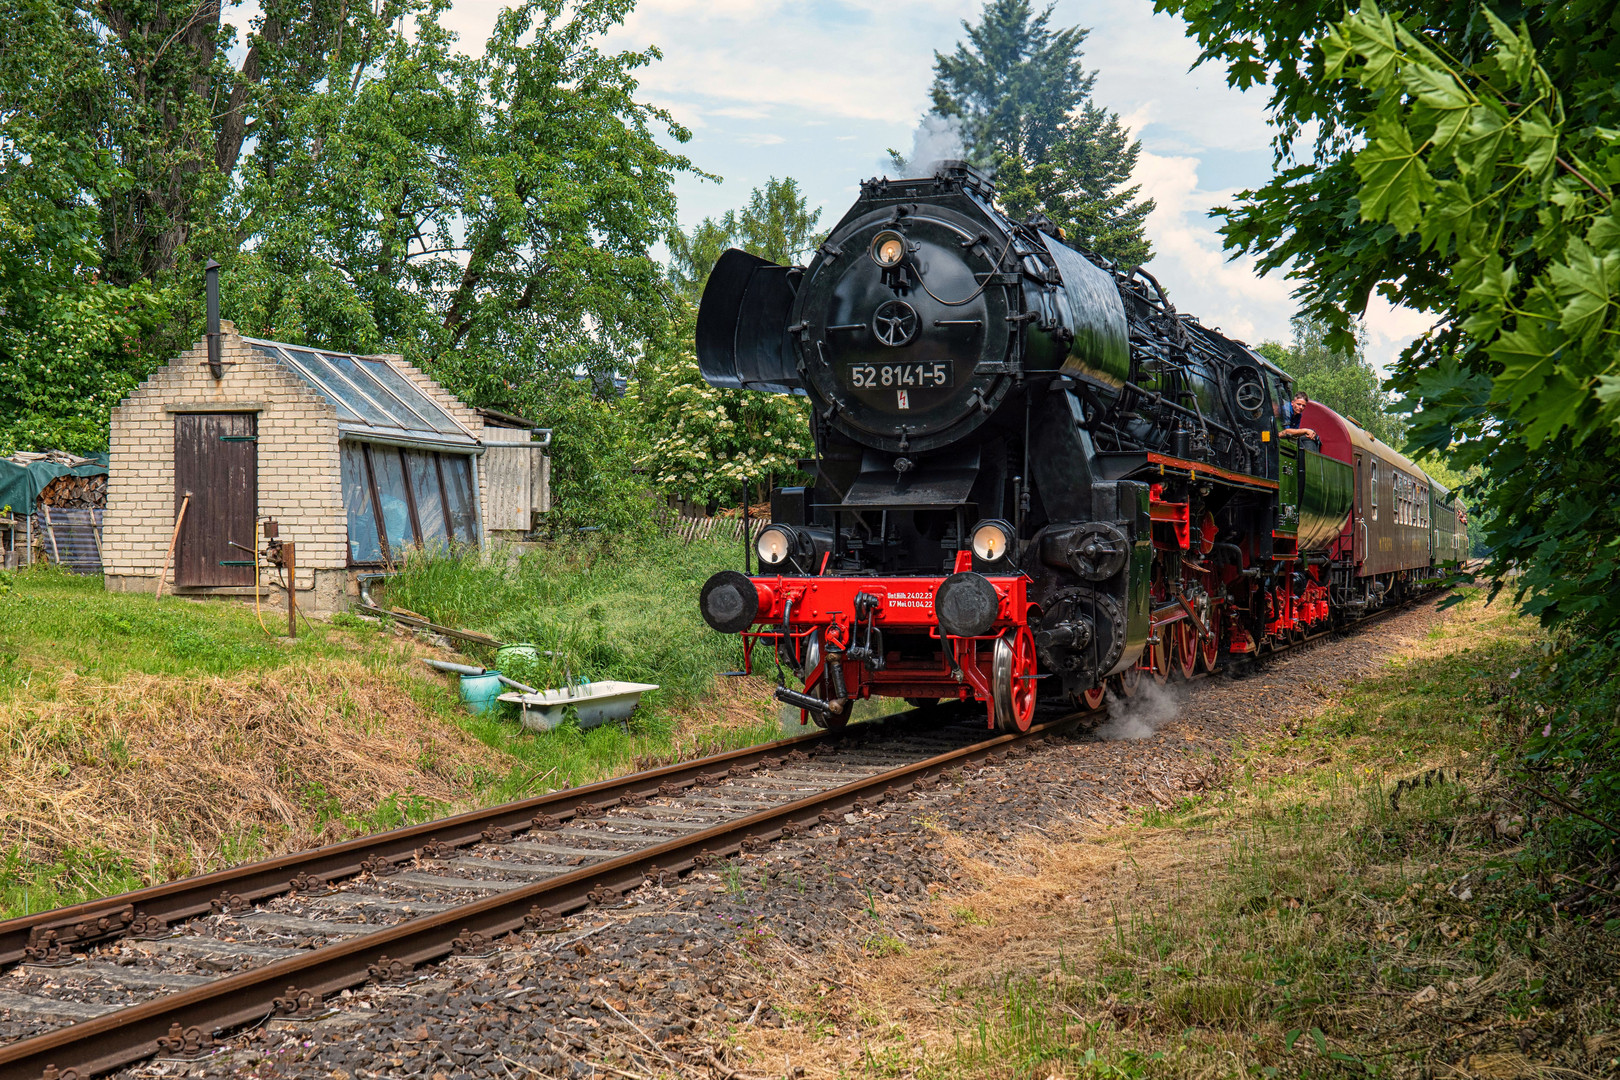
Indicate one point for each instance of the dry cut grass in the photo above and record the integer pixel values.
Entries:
(180, 775)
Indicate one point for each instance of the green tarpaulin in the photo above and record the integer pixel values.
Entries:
(20, 485)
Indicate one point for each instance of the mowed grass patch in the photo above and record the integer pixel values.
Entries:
(1358, 902)
(55, 624)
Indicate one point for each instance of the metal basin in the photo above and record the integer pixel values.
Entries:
(595, 703)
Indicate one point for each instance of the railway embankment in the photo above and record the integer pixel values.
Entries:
(142, 740)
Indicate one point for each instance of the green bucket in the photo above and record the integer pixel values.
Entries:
(480, 691)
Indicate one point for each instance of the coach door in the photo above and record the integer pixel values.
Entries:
(1358, 529)
(216, 461)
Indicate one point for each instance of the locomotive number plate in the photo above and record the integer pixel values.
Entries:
(923, 376)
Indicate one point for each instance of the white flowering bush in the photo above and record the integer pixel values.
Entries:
(706, 442)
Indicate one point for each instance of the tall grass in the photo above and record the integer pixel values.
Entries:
(603, 608)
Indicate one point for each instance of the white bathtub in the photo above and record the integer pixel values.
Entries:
(596, 702)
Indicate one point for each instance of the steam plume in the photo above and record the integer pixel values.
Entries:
(1141, 716)
(937, 138)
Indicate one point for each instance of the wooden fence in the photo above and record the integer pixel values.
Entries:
(709, 528)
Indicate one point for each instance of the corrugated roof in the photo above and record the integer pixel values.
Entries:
(372, 396)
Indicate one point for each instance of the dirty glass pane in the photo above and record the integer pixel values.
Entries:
(396, 511)
(459, 496)
(407, 392)
(344, 412)
(328, 375)
(429, 499)
(363, 543)
(360, 375)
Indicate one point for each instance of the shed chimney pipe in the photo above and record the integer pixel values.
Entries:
(216, 366)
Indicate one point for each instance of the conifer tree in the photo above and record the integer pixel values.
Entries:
(1024, 102)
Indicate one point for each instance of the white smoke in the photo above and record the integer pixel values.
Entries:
(1140, 716)
(937, 138)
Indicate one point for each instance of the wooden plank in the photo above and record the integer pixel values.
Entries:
(507, 467)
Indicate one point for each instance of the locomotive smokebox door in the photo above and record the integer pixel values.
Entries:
(742, 337)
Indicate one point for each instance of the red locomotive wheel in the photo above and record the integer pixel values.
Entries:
(1126, 682)
(1012, 679)
(1093, 698)
(1157, 657)
(1186, 649)
(1209, 651)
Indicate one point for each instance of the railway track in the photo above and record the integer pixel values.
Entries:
(165, 970)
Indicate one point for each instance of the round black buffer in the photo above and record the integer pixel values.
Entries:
(729, 602)
(966, 605)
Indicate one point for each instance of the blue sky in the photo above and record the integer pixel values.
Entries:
(819, 89)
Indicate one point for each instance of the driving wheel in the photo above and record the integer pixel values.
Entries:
(1127, 681)
(1186, 648)
(1209, 649)
(1093, 698)
(1158, 658)
(1012, 679)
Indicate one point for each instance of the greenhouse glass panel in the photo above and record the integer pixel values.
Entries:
(360, 375)
(364, 544)
(392, 496)
(343, 410)
(458, 493)
(323, 371)
(424, 475)
(407, 392)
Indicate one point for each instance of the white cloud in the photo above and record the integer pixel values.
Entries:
(1189, 263)
(1391, 329)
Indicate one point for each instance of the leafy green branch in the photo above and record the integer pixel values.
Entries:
(1464, 156)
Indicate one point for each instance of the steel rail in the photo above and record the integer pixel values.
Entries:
(152, 909)
(108, 1042)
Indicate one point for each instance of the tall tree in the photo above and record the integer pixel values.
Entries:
(777, 224)
(1025, 105)
(1339, 378)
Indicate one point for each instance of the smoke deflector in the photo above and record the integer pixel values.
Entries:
(742, 339)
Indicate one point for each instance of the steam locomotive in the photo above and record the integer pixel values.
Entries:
(1034, 478)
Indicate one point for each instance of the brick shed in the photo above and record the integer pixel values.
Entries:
(356, 458)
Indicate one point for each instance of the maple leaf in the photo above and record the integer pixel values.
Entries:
(1526, 356)
(1394, 183)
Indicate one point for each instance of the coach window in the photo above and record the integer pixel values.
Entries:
(1375, 490)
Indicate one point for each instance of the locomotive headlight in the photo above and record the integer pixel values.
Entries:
(992, 540)
(888, 248)
(775, 545)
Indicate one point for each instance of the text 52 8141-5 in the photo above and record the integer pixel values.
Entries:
(924, 376)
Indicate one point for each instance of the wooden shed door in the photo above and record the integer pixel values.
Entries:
(216, 458)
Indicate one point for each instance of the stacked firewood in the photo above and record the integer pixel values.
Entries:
(76, 493)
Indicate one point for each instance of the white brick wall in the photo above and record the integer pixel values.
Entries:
(300, 482)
